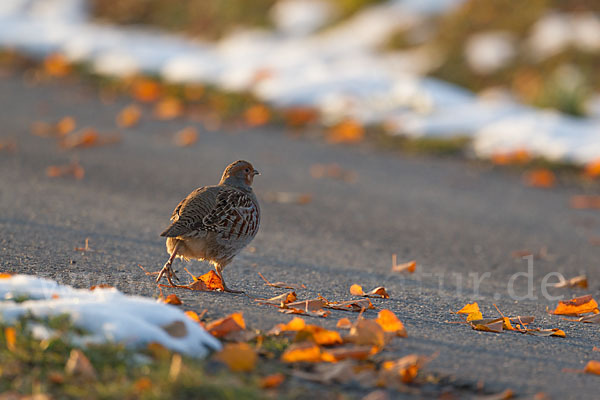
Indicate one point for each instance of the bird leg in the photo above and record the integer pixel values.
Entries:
(167, 270)
(219, 270)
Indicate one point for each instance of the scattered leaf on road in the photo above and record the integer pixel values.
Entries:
(472, 311)
(287, 197)
(577, 281)
(348, 131)
(239, 357)
(73, 169)
(272, 381)
(592, 367)
(186, 137)
(409, 266)
(390, 323)
(380, 292)
(344, 323)
(173, 299)
(576, 306)
(541, 178)
(281, 285)
(232, 323)
(302, 352)
(129, 116)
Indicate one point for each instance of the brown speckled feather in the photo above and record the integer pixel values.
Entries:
(227, 211)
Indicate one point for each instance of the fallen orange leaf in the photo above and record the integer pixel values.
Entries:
(348, 131)
(143, 384)
(257, 115)
(541, 178)
(232, 323)
(592, 367)
(193, 316)
(349, 352)
(576, 306)
(65, 126)
(520, 156)
(172, 299)
(10, 335)
(350, 305)
(496, 325)
(295, 324)
(367, 332)
(57, 65)
(73, 169)
(238, 357)
(592, 169)
(186, 137)
(282, 299)
(472, 311)
(4, 275)
(129, 116)
(547, 332)
(390, 323)
(145, 90)
(380, 291)
(578, 281)
(334, 171)
(207, 282)
(410, 266)
(168, 108)
(300, 116)
(303, 352)
(319, 335)
(272, 381)
(406, 368)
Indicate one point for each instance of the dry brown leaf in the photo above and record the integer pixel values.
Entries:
(590, 319)
(173, 299)
(472, 311)
(592, 367)
(193, 316)
(302, 352)
(520, 156)
(145, 90)
(348, 131)
(10, 335)
(546, 332)
(73, 169)
(281, 285)
(280, 300)
(297, 311)
(505, 395)
(79, 365)
(287, 198)
(143, 384)
(344, 323)
(308, 305)
(319, 335)
(56, 65)
(88, 137)
(409, 267)
(380, 292)
(232, 323)
(576, 306)
(583, 202)
(168, 108)
(207, 282)
(129, 116)
(351, 305)
(294, 325)
(353, 352)
(541, 178)
(487, 325)
(367, 332)
(577, 281)
(405, 368)
(186, 137)
(390, 323)
(300, 116)
(272, 381)
(239, 357)
(592, 169)
(257, 115)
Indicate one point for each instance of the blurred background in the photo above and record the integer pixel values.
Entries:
(504, 78)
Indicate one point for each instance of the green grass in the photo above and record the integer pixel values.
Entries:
(33, 366)
(439, 146)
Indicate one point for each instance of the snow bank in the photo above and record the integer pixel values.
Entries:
(106, 314)
(340, 71)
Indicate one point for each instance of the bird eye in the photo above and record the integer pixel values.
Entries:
(246, 170)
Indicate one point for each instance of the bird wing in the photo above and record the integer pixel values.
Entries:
(229, 212)
(191, 210)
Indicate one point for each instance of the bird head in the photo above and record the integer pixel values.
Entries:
(239, 174)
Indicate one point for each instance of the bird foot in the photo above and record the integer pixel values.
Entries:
(226, 289)
(168, 272)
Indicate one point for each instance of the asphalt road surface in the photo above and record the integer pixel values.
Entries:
(461, 222)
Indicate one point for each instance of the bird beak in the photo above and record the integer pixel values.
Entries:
(255, 172)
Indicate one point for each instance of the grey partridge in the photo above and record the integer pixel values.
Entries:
(214, 223)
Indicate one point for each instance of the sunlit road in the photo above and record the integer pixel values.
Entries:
(460, 222)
